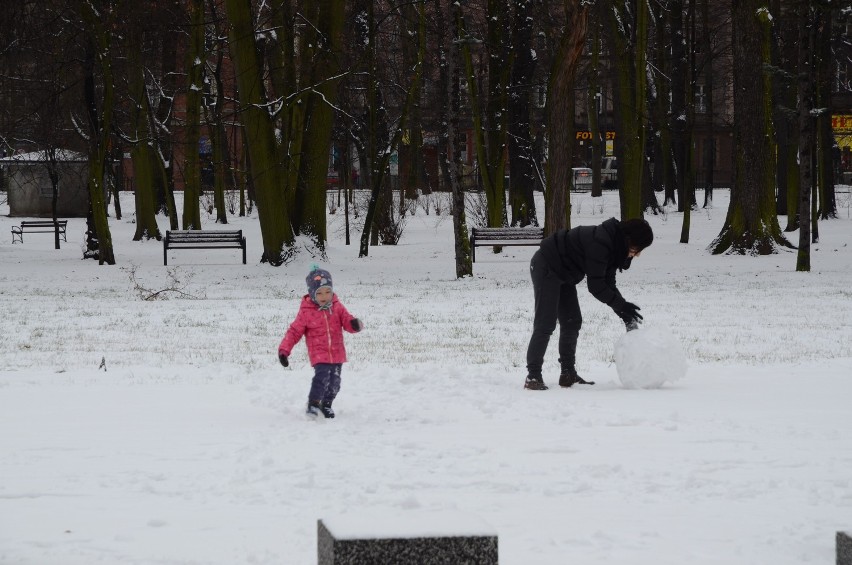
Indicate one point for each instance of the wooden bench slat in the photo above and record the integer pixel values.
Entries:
(197, 239)
(504, 237)
(39, 226)
(210, 238)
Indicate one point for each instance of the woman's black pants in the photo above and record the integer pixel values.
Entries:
(555, 301)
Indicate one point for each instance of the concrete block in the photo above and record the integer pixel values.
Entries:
(844, 548)
(406, 539)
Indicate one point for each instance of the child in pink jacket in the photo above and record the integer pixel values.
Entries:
(321, 319)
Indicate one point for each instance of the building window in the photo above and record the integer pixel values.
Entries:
(843, 81)
(700, 99)
(463, 142)
(45, 189)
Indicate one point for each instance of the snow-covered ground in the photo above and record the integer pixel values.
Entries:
(136, 432)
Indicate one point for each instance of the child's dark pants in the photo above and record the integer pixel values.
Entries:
(326, 382)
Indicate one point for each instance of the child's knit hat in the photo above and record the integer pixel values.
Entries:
(317, 279)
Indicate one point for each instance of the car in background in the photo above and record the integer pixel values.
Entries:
(581, 178)
(609, 173)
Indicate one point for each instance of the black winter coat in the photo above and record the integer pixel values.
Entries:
(594, 252)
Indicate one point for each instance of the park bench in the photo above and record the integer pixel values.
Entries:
(39, 226)
(504, 237)
(197, 239)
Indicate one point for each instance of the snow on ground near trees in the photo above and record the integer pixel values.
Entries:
(191, 447)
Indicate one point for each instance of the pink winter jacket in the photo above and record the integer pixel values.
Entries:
(323, 331)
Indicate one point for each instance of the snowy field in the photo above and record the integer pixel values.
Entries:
(190, 444)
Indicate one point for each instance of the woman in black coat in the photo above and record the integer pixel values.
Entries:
(562, 261)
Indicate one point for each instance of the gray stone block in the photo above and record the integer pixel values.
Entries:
(405, 541)
(844, 548)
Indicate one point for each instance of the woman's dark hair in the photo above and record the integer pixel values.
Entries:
(638, 233)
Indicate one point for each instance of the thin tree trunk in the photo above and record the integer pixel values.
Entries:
(805, 17)
(117, 177)
(521, 160)
(194, 90)
(825, 137)
(687, 179)
(141, 152)
(660, 134)
(709, 78)
(380, 143)
(594, 103)
(223, 171)
(678, 101)
(464, 262)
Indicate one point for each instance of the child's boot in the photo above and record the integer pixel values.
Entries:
(326, 410)
(314, 408)
(534, 382)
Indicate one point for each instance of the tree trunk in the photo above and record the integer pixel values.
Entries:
(806, 88)
(223, 170)
(595, 105)
(785, 35)
(141, 152)
(660, 132)
(709, 74)
(325, 41)
(100, 126)
(117, 179)
(825, 137)
(53, 175)
(194, 89)
(276, 230)
(560, 117)
(521, 160)
(751, 226)
(489, 128)
(163, 144)
(630, 41)
(677, 122)
(414, 54)
(687, 176)
(380, 142)
(464, 262)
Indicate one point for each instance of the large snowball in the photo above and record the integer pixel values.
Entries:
(648, 358)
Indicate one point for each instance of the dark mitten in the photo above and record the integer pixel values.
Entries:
(283, 360)
(357, 325)
(629, 314)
